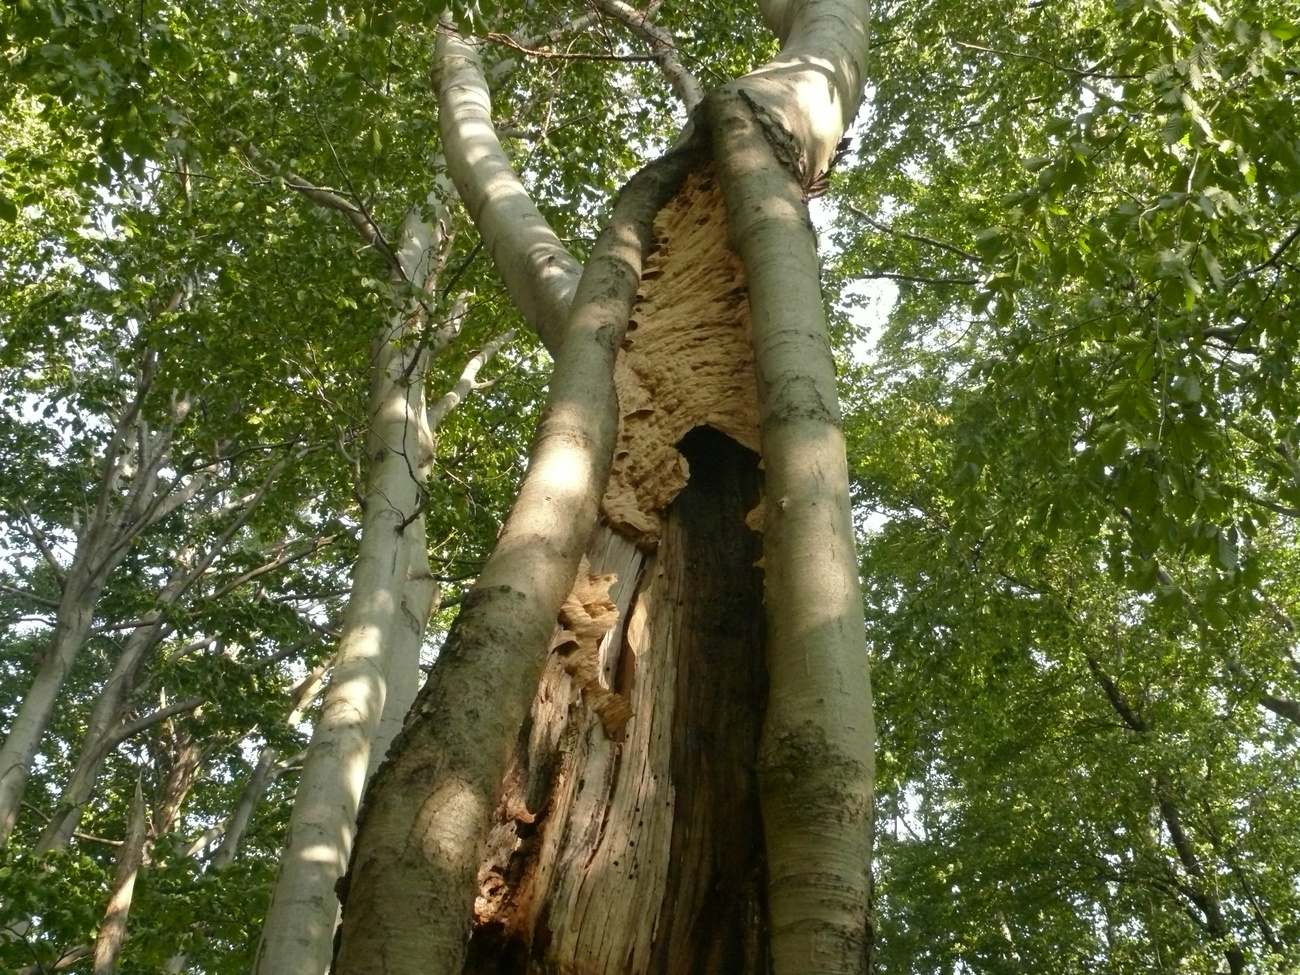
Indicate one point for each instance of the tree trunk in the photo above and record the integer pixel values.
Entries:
(419, 599)
(75, 615)
(124, 508)
(628, 837)
(109, 710)
(605, 846)
(298, 932)
(130, 855)
(261, 776)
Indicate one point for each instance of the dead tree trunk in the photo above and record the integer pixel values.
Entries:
(628, 836)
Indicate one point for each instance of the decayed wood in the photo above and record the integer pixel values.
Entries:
(645, 855)
(687, 359)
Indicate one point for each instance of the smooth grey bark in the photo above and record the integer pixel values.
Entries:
(540, 274)
(683, 83)
(419, 598)
(263, 775)
(773, 132)
(423, 827)
(109, 713)
(130, 856)
(298, 931)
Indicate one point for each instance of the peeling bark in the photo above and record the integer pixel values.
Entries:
(631, 841)
(687, 359)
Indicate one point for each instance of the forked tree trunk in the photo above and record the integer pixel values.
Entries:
(132, 496)
(615, 825)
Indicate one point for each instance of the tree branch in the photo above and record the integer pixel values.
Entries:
(919, 279)
(918, 238)
(439, 409)
(52, 603)
(132, 728)
(358, 217)
(1077, 72)
(1117, 700)
(316, 545)
(41, 542)
(1276, 256)
(661, 42)
(540, 274)
(507, 41)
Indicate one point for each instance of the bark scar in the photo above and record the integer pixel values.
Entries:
(785, 147)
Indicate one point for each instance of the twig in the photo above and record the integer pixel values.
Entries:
(507, 41)
(920, 279)
(1077, 72)
(1276, 256)
(919, 238)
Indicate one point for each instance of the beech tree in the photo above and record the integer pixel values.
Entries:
(499, 348)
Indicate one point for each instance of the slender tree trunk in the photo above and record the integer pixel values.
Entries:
(109, 710)
(71, 628)
(119, 516)
(299, 927)
(419, 599)
(262, 775)
(112, 706)
(130, 855)
(430, 806)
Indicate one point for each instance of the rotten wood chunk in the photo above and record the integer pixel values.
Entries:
(587, 615)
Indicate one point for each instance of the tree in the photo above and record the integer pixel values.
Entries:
(644, 743)
(424, 831)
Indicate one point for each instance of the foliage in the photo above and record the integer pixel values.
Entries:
(1088, 209)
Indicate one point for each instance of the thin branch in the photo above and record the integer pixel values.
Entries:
(358, 217)
(1281, 509)
(26, 594)
(1077, 72)
(664, 47)
(41, 542)
(920, 279)
(507, 41)
(919, 238)
(316, 545)
(87, 837)
(1276, 256)
(439, 409)
(576, 25)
